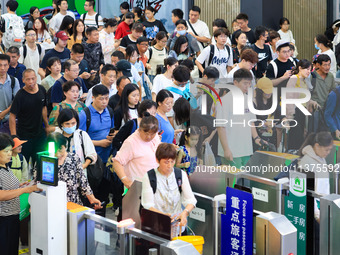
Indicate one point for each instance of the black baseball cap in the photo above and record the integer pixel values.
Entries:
(124, 66)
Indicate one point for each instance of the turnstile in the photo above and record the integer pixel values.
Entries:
(330, 224)
(275, 235)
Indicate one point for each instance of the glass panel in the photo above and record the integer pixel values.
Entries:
(101, 239)
(141, 246)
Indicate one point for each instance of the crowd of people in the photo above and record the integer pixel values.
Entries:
(126, 94)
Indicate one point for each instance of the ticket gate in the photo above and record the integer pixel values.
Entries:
(275, 235)
(329, 224)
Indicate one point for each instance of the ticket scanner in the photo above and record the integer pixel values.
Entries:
(48, 210)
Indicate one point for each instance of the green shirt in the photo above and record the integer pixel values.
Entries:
(322, 88)
(56, 110)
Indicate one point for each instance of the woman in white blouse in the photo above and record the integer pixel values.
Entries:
(171, 195)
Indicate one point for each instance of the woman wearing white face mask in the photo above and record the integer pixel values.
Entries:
(181, 29)
(68, 122)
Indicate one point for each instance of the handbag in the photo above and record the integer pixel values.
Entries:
(95, 173)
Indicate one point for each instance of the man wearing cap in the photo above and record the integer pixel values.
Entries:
(124, 68)
(31, 54)
(60, 51)
(263, 101)
(280, 69)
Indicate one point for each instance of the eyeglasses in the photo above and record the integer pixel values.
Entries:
(164, 41)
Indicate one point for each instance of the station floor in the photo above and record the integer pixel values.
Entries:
(110, 214)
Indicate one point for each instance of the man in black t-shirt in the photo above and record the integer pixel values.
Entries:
(263, 51)
(29, 108)
(121, 82)
(242, 21)
(280, 69)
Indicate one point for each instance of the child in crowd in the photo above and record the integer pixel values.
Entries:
(190, 154)
(18, 164)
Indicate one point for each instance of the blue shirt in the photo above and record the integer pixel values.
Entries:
(17, 73)
(99, 129)
(7, 95)
(57, 90)
(333, 120)
(169, 132)
(63, 56)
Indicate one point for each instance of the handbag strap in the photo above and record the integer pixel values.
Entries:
(82, 142)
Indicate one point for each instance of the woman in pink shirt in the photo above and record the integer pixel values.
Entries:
(137, 154)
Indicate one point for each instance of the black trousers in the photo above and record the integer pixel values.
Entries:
(32, 146)
(9, 235)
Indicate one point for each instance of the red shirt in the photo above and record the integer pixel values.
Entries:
(144, 59)
(123, 29)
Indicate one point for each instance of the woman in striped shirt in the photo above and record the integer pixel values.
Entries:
(10, 190)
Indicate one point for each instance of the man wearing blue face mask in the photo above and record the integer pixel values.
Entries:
(181, 28)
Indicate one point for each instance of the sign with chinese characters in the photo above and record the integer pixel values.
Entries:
(295, 208)
(237, 223)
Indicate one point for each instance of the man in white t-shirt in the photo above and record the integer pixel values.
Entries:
(236, 132)
(219, 55)
(197, 28)
(31, 54)
(55, 22)
(91, 18)
(180, 85)
(249, 58)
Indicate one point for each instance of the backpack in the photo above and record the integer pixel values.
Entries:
(24, 49)
(95, 173)
(212, 53)
(96, 18)
(88, 116)
(12, 85)
(276, 70)
(185, 94)
(14, 31)
(153, 179)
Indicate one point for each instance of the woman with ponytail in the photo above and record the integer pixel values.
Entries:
(314, 152)
(297, 80)
(324, 46)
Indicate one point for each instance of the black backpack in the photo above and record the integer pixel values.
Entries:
(153, 179)
(24, 49)
(12, 85)
(212, 53)
(88, 116)
(96, 18)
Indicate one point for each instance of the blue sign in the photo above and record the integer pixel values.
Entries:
(237, 224)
